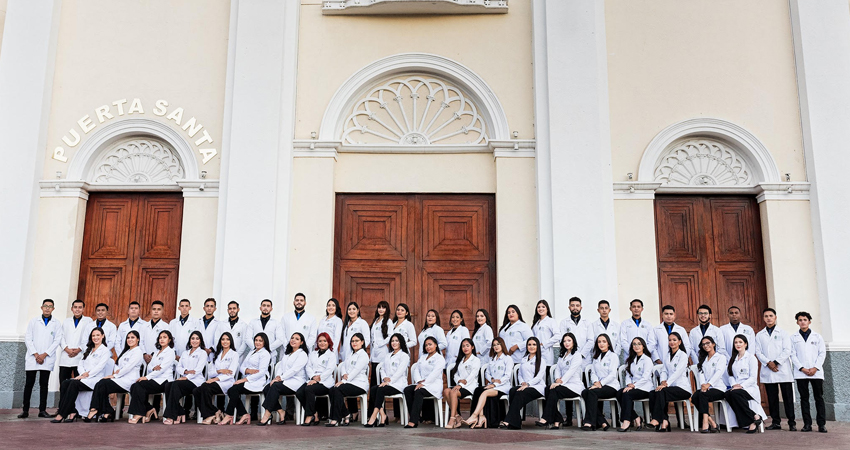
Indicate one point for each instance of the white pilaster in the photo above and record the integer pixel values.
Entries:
(575, 200)
(821, 31)
(26, 85)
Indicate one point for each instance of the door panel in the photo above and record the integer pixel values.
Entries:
(375, 228)
(455, 229)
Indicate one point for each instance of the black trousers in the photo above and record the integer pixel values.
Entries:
(773, 401)
(805, 407)
(494, 409)
(204, 398)
(627, 403)
(702, 399)
(100, 396)
(235, 405)
(139, 391)
(174, 392)
(272, 392)
(68, 396)
(659, 400)
(415, 399)
(593, 413)
(551, 412)
(66, 373)
(43, 378)
(738, 400)
(377, 394)
(517, 399)
(307, 396)
(339, 409)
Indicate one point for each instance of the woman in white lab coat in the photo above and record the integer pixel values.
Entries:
(515, 332)
(404, 325)
(639, 373)
(393, 379)
(160, 370)
(320, 378)
(497, 379)
(567, 384)
(675, 382)
(711, 386)
(92, 368)
(289, 374)
(744, 396)
(125, 374)
(482, 335)
(603, 383)
(432, 328)
(381, 328)
(255, 372)
(225, 366)
(547, 330)
(332, 322)
(354, 381)
(532, 383)
(190, 374)
(462, 379)
(427, 376)
(456, 334)
(352, 325)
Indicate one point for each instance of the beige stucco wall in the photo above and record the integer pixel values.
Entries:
(454, 173)
(637, 268)
(670, 60)
(197, 249)
(3, 4)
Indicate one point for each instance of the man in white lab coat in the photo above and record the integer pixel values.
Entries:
(239, 329)
(636, 326)
(42, 340)
(133, 322)
(155, 326)
(773, 350)
(734, 328)
(706, 328)
(808, 353)
(208, 326)
(182, 326)
(74, 340)
(662, 333)
(577, 325)
(300, 321)
(266, 324)
(101, 320)
(603, 325)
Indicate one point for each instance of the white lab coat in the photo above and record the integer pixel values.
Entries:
(141, 326)
(83, 403)
(713, 372)
(166, 362)
(259, 360)
(604, 370)
(242, 342)
(437, 333)
(292, 369)
(729, 334)
(596, 328)
(568, 370)
(527, 374)
(453, 340)
(516, 333)
(774, 347)
(73, 337)
(546, 331)
(98, 365)
(580, 330)
(210, 333)
(323, 365)
(333, 326)
(181, 333)
(500, 368)
(379, 344)
(394, 367)
(226, 361)
(629, 331)
(111, 334)
(192, 361)
(714, 332)
(468, 370)
(642, 371)
(407, 330)
(357, 369)
(662, 345)
(483, 339)
(745, 372)
(306, 325)
(807, 354)
(275, 332)
(429, 372)
(41, 338)
(675, 370)
(129, 367)
(359, 326)
(153, 334)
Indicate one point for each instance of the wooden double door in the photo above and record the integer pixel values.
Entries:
(131, 252)
(709, 252)
(428, 251)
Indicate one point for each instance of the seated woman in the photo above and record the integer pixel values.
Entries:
(711, 365)
(255, 370)
(532, 383)
(744, 397)
(129, 363)
(603, 375)
(675, 383)
(225, 367)
(567, 384)
(392, 380)
(320, 373)
(160, 371)
(354, 381)
(464, 376)
(190, 374)
(427, 378)
(497, 377)
(639, 367)
(289, 375)
(92, 368)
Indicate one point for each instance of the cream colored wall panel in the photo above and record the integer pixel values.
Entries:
(109, 51)
(197, 249)
(670, 60)
(637, 267)
(452, 173)
(2, 21)
(497, 47)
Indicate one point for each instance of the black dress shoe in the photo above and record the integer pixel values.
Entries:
(415, 425)
(806, 429)
(792, 428)
(821, 429)
(774, 426)
(56, 421)
(23, 415)
(44, 415)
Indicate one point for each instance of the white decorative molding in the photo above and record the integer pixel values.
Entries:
(637, 190)
(81, 189)
(63, 189)
(398, 7)
(137, 161)
(517, 148)
(315, 149)
(359, 85)
(414, 110)
(702, 162)
(783, 191)
(199, 188)
(838, 346)
(640, 190)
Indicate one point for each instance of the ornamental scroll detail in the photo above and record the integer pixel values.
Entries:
(702, 162)
(414, 111)
(139, 161)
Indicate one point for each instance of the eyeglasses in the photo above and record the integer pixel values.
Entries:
(706, 344)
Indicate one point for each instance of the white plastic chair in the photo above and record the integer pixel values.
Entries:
(612, 401)
(722, 411)
(682, 405)
(400, 395)
(449, 384)
(577, 401)
(207, 371)
(438, 404)
(621, 374)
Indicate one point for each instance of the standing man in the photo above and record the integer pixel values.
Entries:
(101, 312)
(133, 322)
(735, 327)
(808, 352)
(300, 321)
(662, 332)
(773, 349)
(635, 327)
(706, 328)
(603, 325)
(208, 326)
(42, 340)
(74, 340)
(155, 326)
(182, 326)
(577, 325)
(239, 329)
(265, 324)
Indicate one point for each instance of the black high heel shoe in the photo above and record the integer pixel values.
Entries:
(105, 419)
(266, 423)
(588, 427)
(549, 426)
(415, 425)
(383, 423)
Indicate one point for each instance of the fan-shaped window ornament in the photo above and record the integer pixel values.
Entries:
(138, 161)
(702, 162)
(414, 111)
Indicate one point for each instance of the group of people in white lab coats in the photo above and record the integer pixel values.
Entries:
(325, 366)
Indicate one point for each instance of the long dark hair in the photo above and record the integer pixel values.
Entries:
(90, 344)
(486, 320)
(732, 357)
(408, 317)
(505, 349)
(506, 322)
(459, 313)
(704, 354)
(460, 357)
(678, 336)
(425, 325)
(200, 336)
(538, 357)
(564, 348)
(386, 318)
(402, 343)
(597, 352)
(436, 344)
(347, 319)
(218, 347)
(337, 311)
(265, 339)
(289, 348)
(127, 347)
(170, 339)
(633, 356)
(537, 317)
